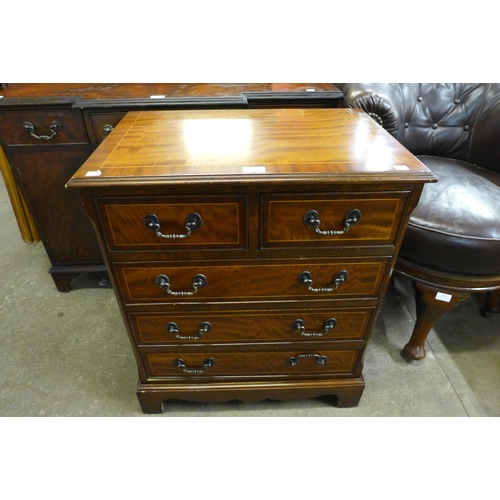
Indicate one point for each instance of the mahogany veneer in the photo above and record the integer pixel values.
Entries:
(283, 228)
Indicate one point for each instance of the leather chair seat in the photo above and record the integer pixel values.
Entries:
(456, 220)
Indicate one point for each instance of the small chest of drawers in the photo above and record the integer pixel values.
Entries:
(250, 250)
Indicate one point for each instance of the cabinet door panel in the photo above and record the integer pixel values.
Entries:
(65, 228)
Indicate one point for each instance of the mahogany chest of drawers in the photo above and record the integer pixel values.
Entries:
(250, 250)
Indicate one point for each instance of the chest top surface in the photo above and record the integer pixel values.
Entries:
(248, 145)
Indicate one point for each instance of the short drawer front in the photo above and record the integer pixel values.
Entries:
(234, 326)
(70, 129)
(259, 363)
(104, 123)
(221, 223)
(259, 280)
(288, 222)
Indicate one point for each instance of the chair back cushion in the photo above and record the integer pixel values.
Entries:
(485, 140)
(438, 118)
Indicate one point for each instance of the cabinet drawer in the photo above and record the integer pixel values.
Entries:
(104, 123)
(265, 280)
(70, 129)
(236, 326)
(214, 223)
(292, 222)
(257, 363)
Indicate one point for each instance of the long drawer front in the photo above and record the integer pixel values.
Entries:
(261, 363)
(247, 327)
(43, 128)
(217, 281)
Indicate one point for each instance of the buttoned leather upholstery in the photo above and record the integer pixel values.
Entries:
(454, 128)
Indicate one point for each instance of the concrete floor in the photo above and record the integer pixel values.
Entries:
(68, 354)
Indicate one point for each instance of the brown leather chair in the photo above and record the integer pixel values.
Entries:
(452, 245)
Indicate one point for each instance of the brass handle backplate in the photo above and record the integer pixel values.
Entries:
(199, 281)
(54, 126)
(299, 324)
(311, 219)
(107, 129)
(208, 363)
(320, 360)
(305, 278)
(172, 328)
(193, 221)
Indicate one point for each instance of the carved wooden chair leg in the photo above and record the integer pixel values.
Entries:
(432, 303)
(492, 304)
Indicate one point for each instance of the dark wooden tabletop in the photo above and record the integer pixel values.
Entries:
(94, 91)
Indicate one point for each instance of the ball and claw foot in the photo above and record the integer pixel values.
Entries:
(413, 352)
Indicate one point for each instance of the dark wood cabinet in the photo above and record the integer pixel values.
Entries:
(47, 131)
(250, 250)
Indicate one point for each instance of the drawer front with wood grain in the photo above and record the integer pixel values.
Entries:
(249, 327)
(181, 223)
(254, 280)
(258, 363)
(331, 219)
(43, 127)
(104, 123)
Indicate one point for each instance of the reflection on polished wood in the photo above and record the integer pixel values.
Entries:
(155, 148)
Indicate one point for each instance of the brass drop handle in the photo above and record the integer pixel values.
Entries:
(172, 328)
(199, 281)
(54, 126)
(208, 363)
(193, 221)
(305, 278)
(320, 360)
(311, 219)
(330, 324)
